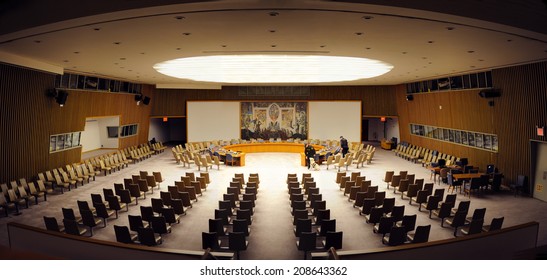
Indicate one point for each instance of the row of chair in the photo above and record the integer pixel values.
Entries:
(20, 192)
(157, 219)
(311, 218)
(235, 226)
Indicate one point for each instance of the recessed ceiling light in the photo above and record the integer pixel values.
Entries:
(142, 53)
(37, 41)
(450, 28)
(223, 46)
(322, 46)
(272, 31)
(117, 43)
(186, 33)
(65, 61)
(76, 52)
(358, 33)
(273, 68)
(509, 40)
(368, 48)
(470, 51)
(404, 52)
(180, 17)
(273, 14)
(273, 46)
(96, 28)
(122, 58)
(367, 17)
(178, 49)
(430, 42)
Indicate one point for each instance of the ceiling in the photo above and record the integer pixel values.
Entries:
(124, 39)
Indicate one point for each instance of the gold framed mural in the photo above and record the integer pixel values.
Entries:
(277, 120)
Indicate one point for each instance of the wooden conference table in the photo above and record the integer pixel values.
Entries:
(274, 147)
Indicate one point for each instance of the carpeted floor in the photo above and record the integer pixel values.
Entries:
(272, 230)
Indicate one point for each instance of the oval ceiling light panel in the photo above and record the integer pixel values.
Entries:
(273, 68)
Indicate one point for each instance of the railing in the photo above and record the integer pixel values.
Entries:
(55, 245)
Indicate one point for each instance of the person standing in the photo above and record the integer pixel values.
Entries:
(344, 146)
(309, 151)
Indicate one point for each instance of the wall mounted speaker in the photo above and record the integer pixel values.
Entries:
(489, 93)
(409, 97)
(146, 100)
(61, 97)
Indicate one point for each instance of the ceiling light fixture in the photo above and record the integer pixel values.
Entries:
(273, 68)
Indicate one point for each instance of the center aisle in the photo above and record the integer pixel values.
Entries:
(272, 234)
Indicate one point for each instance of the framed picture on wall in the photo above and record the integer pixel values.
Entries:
(478, 140)
(446, 136)
(487, 142)
(464, 138)
(60, 142)
(494, 143)
(457, 136)
(277, 120)
(451, 135)
(471, 138)
(68, 141)
(52, 143)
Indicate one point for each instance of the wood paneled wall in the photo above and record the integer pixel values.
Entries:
(376, 100)
(514, 116)
(29, 117)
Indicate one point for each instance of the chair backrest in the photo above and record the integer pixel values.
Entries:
(409, 222)
(333, 239)
(302, 225)
(379, 197)
(439, 193)
(237, 241)
(463, 206)
(101, 210)
(307, 241)
(68, 214)
(118, 188)
(398, 212)
(475, 226)
(478, 214)
(368, 205)
(459, 219)
(122, 234)
(87, 218)
(422, 234)
(244, 214)
(71, 227)
(240, 225)
(108, 192)
(147, 237)
(157, 176)
(496, 223)
(299, 214)
(450, 198)
(157, 205)
(397, 236)
(521, 181)
(96, 198)
(159, 224)
(51, 224)
(135, 222)
(209, 240)
(385, 224)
